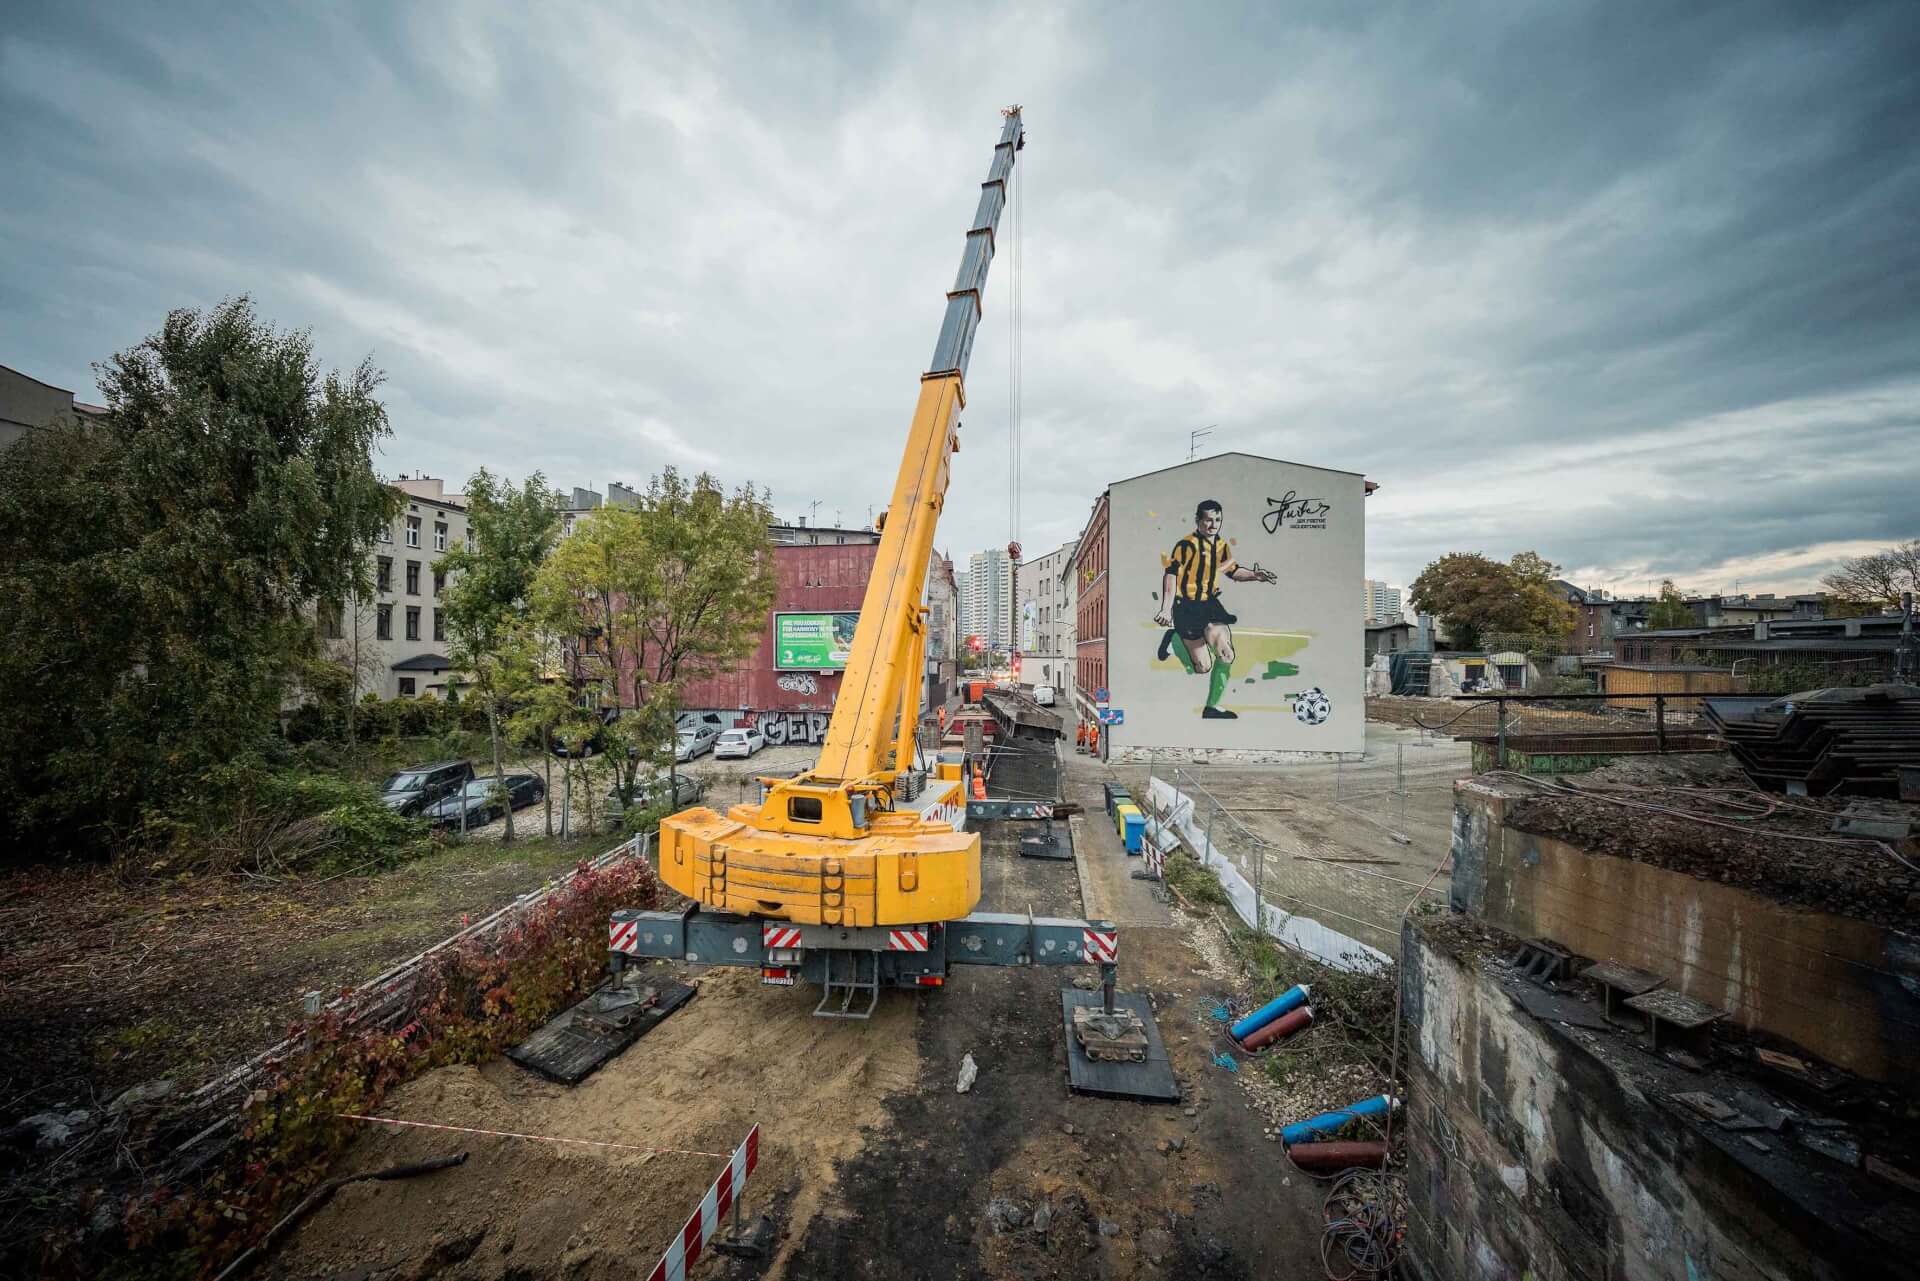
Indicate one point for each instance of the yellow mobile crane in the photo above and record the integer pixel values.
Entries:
(837, 845)
(859, 873)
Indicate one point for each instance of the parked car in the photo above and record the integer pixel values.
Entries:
(484, 800)
(687, 790)
(411, 791)
(738, 744)
(1044, 695)
(594, 745)
(697, 741)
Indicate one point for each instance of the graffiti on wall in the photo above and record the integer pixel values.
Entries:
(792, 728)
(798, 683)
(781, 729)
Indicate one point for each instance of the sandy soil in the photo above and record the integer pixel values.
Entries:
(738, 1053)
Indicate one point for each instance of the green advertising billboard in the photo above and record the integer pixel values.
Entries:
(813, 642)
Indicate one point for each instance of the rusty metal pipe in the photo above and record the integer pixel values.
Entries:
(1278, 1030)
(1326, 1157)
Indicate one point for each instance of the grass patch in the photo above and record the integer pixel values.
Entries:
(1196, 884)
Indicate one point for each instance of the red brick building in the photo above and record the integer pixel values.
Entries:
(1090, 650)
(790, 707)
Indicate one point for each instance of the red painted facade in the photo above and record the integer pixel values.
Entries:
(809, 578)
(1090, 568)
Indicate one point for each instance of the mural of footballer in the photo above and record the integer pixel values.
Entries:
(1190, 605)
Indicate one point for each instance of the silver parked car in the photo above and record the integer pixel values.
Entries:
(697, 741)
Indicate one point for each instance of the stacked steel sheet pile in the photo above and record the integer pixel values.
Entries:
(1852, 740)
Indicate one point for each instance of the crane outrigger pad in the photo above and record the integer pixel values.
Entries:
(1151, 1080)
(574, 1044)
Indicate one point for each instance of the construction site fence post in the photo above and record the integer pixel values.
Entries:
(1500, 732)
(1660, 725)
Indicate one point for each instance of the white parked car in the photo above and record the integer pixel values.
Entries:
(738, 743)
(1044, 695)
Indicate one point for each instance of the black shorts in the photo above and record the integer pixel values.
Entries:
(1191, 618)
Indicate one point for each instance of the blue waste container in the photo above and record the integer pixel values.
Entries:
(1135, 831)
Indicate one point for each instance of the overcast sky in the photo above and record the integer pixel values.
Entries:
(1637, 286)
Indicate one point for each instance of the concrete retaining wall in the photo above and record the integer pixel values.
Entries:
(1846, 990)
(1532, 1154)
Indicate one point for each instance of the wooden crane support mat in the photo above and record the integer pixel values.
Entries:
(573, 1045)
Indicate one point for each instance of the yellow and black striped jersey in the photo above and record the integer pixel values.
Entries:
(1196, 565)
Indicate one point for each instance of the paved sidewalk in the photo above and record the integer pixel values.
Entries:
(1106, 869)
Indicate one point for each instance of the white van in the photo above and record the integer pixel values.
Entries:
(1043, 695)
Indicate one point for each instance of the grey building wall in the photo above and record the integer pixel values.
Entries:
(393, 637)
(1044, 622)
(27, 402)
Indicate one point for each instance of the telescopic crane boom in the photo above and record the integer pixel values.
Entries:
(837, 845)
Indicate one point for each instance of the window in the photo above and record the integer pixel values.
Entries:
(469, 540)
(383, 573)
(383, 623)
(413, 578)
(413, 531)
(413, 622)
(439, 626)
(406, 687)
(386, 533)
(330, 624)
(439, 582)
(439, 535)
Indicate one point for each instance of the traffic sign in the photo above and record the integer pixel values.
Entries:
(1100, 694)
(1113, 716)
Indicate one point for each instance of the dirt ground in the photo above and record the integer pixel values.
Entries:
(106, 983)
(873, 1165)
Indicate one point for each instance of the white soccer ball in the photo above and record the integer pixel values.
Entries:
(1312, 707)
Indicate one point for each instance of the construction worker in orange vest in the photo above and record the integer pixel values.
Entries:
(1093, 740)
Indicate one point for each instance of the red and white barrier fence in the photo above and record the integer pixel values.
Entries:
(721, 1197)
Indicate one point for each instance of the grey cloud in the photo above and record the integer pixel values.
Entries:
(1435, 245)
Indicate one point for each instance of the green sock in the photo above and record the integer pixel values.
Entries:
(1221, 671)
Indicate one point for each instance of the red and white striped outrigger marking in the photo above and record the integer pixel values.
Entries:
(1099, 945)
(911, 939)
(726, 1189)
(622, 935)
(779, 935)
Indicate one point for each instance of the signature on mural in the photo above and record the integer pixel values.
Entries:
(1199, 628)
(1295, 512)
(798, 683)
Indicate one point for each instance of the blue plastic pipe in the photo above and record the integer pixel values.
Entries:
(1291, 999)
(1328, 1124)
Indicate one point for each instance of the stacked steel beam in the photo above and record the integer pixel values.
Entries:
(1850, 740)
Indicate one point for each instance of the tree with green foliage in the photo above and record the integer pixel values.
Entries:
(545, 703)
(1474, 595)
(158, 568)
(489, 592)
(1670, 610)
(668, 590)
